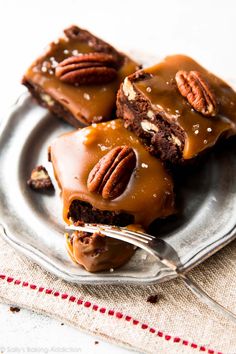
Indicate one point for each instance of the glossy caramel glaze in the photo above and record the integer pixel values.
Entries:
(86, 103)
(200, 131)
(149, 193)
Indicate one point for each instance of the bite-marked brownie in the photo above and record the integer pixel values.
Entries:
(96, 252)
(177, 108)
(78, 76)
(107, 176)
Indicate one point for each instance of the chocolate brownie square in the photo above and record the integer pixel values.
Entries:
(78, 77)
(107, 176)
(177, 108)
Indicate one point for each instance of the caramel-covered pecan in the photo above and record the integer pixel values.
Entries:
(88, 68)
(197, 91)
(111, 174)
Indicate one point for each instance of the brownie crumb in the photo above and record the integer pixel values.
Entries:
(40, 180)
(96, 342)
(153, 299)
(62, 324)
(14, 309)
(79, 223)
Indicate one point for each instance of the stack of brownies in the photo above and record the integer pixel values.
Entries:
(138, 121)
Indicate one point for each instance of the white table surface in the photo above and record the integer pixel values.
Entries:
(203, 29)
(28, 332)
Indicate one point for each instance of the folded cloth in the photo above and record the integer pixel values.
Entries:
(176, 323)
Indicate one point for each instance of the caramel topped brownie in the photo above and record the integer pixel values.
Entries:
(78, 77)
(178, 108)
(107, 176)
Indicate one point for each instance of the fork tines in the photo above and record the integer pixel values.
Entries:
(121, 233)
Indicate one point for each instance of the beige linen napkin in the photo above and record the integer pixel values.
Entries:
(177, 323)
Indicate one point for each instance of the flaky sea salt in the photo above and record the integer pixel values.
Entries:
(103, 147)
(144, 165)
(75, 52)
(87, 96)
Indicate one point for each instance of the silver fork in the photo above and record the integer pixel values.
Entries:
(159, 249)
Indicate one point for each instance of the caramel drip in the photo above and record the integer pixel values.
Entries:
(149, 194)
(89, 101)
(201, 132)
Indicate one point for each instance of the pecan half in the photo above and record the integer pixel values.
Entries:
(111, 174)
(197, 91)
(88, 68)
(40, 180)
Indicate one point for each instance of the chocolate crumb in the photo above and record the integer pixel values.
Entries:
(152, 299)
(14, 309)
(62, 324)
(40, 180)
(96, 342)
(79, 223)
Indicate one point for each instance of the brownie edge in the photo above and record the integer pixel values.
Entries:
(163, 139)
(83, 211)
(78, 76)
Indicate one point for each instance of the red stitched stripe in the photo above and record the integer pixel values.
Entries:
(103, 310)
(32, 286)
(119, 315)
(193, 345)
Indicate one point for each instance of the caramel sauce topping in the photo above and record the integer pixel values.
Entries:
(86, 102)
(200, 131)
(149, 193)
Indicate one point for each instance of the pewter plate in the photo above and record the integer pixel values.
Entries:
(32, 222)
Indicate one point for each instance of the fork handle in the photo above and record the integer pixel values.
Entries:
(202, 295)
